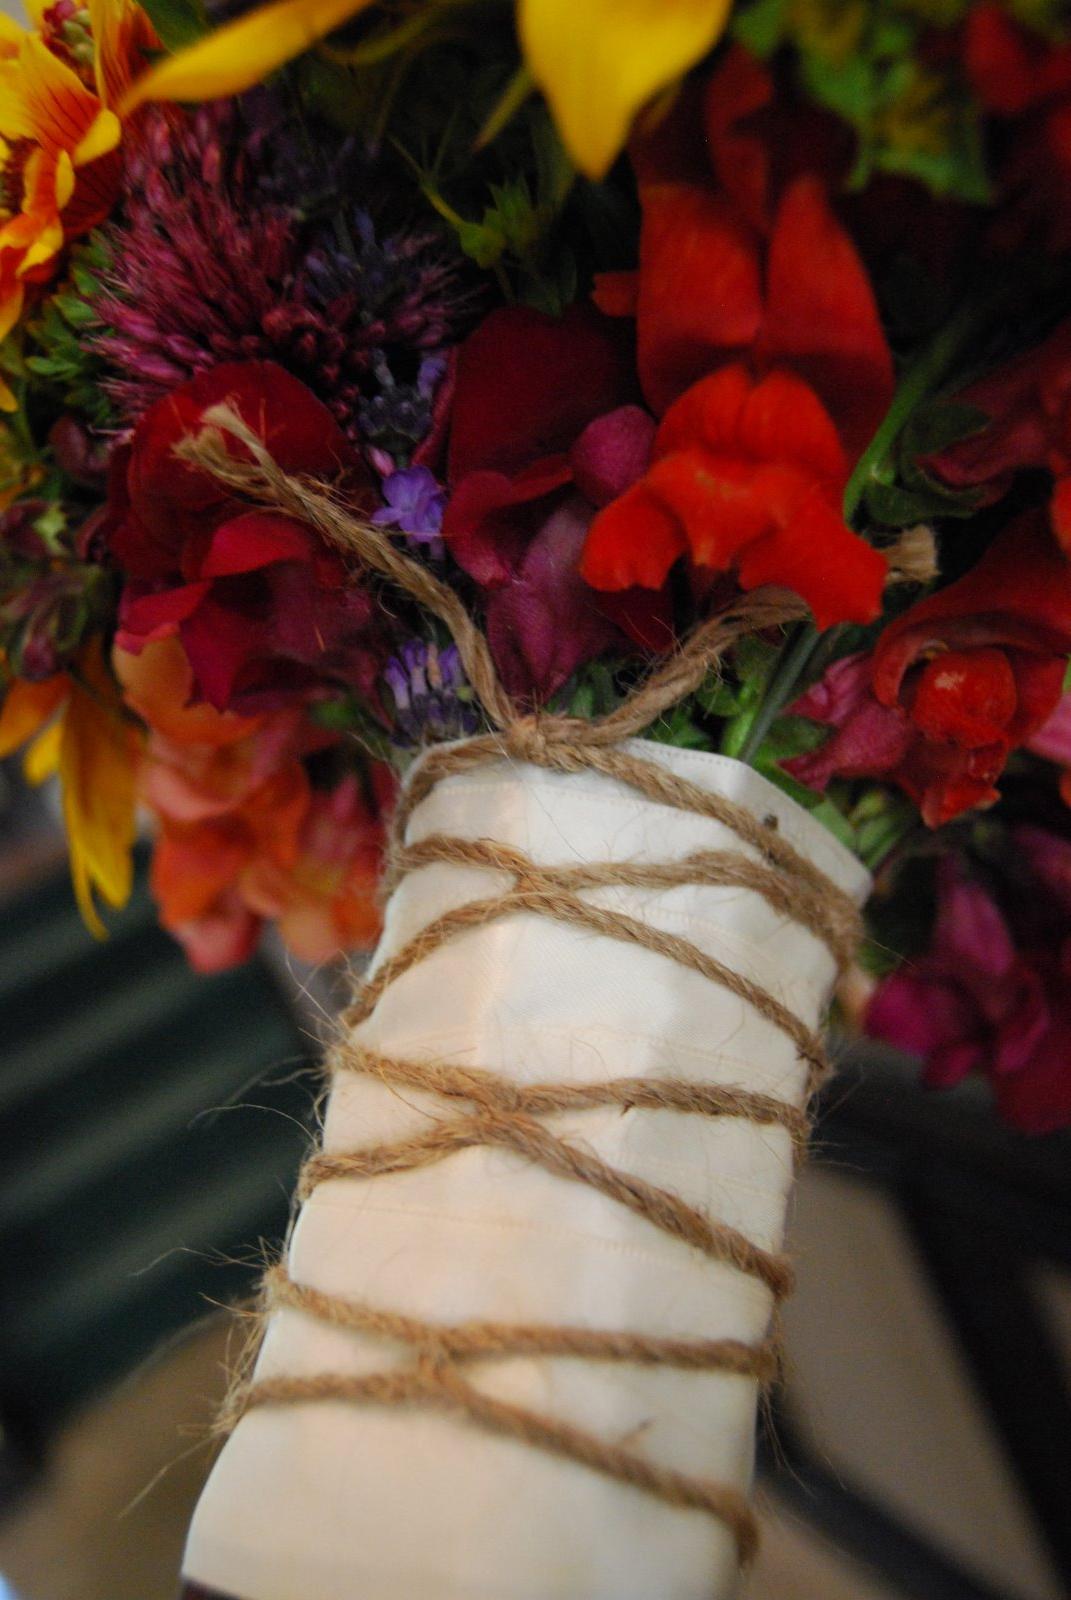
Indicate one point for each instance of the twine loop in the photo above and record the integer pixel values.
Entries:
(482, 1108)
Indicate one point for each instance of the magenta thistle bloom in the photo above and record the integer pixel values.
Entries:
(210, 266)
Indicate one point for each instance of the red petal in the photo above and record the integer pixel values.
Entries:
(171, 498)
(1018, 594)
(617, 293)
(1060, 512)
(965, 697)
(815, 554)
(715, 500)
(145, 617)
(528, 383)
(821, 315)
(485, 535)
(700, 288)
(257, 539)
(632, 543)
(739, 87)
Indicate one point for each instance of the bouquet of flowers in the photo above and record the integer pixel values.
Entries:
(597, 479)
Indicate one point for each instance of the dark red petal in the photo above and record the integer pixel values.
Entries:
(528, 383)
(154, 615)
(256, 539)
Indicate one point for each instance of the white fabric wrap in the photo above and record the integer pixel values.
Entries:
(330, 1501)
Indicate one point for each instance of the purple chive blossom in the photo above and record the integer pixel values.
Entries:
(432, 698)
(414, 504)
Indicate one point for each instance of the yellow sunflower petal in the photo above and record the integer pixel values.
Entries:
(47, 244)
(98, 769)
(123, 38)
(599, 61)
(43, 99)
(63, 180)
(11, 36)
(241, 53)
(42, 759)
(103, 135)
(8, 402)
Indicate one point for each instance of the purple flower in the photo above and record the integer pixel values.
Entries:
(414, 504)
(431, 697)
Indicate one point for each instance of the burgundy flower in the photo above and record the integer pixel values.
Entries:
(265, 610)
(544, 432)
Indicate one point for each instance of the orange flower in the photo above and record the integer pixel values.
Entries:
(243, 836)
(59, 168)
(79, 733)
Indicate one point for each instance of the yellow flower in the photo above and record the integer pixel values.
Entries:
(233, 58)
(80, 733)
(600, 61)
(59, 172)
(597, 61)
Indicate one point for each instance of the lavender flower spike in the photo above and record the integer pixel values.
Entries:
(414, 504)
(431, 695)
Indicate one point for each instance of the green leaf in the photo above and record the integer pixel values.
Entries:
(896, 506)
(809, 799)
(792, 736)
(943, 423)
(178, 22)
(761, 26)
(717, 698)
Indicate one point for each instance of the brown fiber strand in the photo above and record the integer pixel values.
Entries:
(488, 1110)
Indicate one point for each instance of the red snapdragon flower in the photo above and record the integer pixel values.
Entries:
(955, 684)
(545, 429)
(265, 610)
(761, 347)
(744, 476)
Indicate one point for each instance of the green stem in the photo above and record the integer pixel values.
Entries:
(793, 661)
(916, 383)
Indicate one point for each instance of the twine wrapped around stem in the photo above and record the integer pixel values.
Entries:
(484, 1108)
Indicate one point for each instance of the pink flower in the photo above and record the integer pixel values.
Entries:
(991, 994)
(970, 1004)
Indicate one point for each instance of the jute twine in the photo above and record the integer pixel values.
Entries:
(482, 1108)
